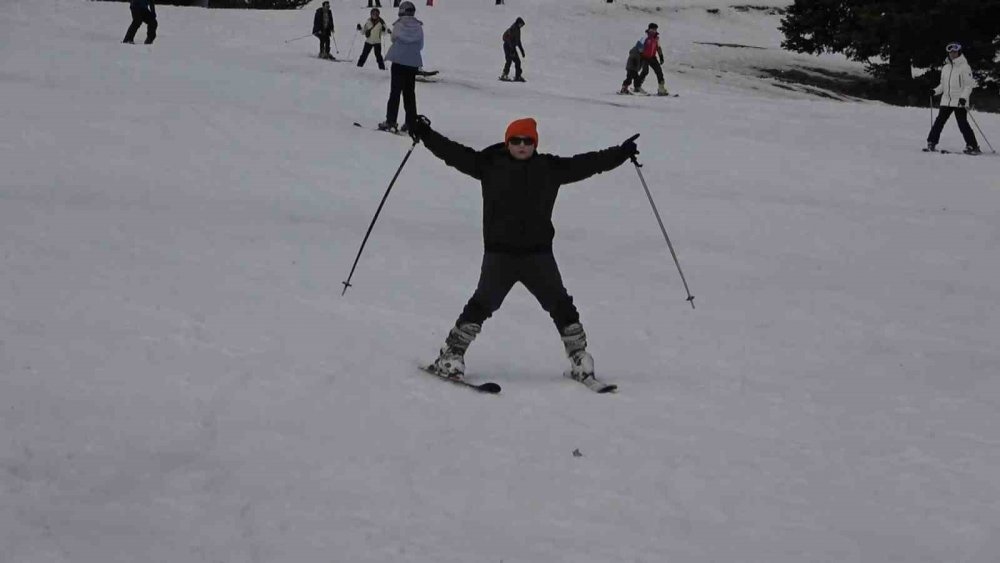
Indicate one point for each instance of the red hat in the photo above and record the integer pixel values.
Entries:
(525, 127)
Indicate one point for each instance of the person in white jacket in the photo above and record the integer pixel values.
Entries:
(373, 30)
(955, 88)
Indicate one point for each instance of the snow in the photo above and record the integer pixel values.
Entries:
(182, 380)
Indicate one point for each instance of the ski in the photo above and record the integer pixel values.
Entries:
(377, 130)
(946, 151)
(594, 384)
(488, 387)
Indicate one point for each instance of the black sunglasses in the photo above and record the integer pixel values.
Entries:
(521, 141)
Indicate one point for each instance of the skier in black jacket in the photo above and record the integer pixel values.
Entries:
(323, 28)
(519, 192)
(511, 43)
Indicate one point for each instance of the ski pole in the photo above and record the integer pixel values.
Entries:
(638, 169)
(981, 132)
(347, 283)
(335, 48)
(931, 107)
(297, 38)
(353, 39)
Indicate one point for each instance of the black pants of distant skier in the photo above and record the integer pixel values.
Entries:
(961, 116)
(368, 48)
(324, 44)
(510, 54)
(403, 82)
(657, 69)
(378, 4)
(539, 274)
(142, 16)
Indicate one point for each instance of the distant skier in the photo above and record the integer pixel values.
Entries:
(519, 188)
(652, 56)
(955, 88)
(378, 4)
(511, 43)
(499, 2)
(632, 68)
(373, 29)
(323, 28)
(143, 12)
(407, 42)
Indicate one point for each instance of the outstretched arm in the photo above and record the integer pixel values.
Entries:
(585, 165)
(458, 156)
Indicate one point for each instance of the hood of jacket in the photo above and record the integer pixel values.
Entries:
(407, 29)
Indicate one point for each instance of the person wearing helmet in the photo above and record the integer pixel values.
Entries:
(404, 54)
(652, 56)
(955, 88)
(373, 30)
(519, 187)
(511, 43)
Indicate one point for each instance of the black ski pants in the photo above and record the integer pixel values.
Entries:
(368, 48)
(632, 77)
(142, 16)
(961, 116)
(657, 69)
(403, 82)
(510, 54)
(324, 43)
(378, 4)
(539, 274)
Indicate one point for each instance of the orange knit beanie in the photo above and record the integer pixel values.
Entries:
(525, 127)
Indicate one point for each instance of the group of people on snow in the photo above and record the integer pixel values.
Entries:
(645, 54)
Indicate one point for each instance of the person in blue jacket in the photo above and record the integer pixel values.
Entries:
(404, 54)
(143, 12)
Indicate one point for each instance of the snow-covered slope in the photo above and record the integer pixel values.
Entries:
(181, 381)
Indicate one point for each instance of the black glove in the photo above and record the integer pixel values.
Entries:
(419, 128)
(961, 102)
(629, 146)
(359, 27)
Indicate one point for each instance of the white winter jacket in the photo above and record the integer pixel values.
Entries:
(373, 31)
(956, 82)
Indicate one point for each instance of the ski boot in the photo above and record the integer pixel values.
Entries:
(504, 77)
(450, 363)
(639, 90)
(581, 363)
(387, 126)
(931, 147)
(972, 150)
(624, 90)
(661, 90)
(519, 78)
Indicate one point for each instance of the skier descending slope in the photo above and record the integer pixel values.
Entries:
(955, 88)
(519, 189)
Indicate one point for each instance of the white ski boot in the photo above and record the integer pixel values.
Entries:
(661, 90)
(390, 127)
(450, 362)
(581, 363)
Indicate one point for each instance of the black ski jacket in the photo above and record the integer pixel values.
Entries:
(318, 27)
(519, 195)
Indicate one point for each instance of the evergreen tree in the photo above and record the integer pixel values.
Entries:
(893, 36)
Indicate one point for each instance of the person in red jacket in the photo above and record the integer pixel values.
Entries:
(519, 189)
(652, 56)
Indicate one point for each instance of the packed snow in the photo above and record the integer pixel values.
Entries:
(182, 381)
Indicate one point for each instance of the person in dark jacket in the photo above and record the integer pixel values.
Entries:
(633, 65)
(511, 43)
(323, 29)
(519, 188)
(143, 12)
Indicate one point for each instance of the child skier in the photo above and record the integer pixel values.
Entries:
(632, 67)
(519, 189)
(373, 30)
(955, 88)
(652, 56)
(143, 12)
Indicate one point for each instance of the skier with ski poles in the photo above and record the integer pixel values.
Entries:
(323, 29)
(373, 29)
(652, 56)
(404, 54)
(955, 88)
(511, 43)
(519, 188)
